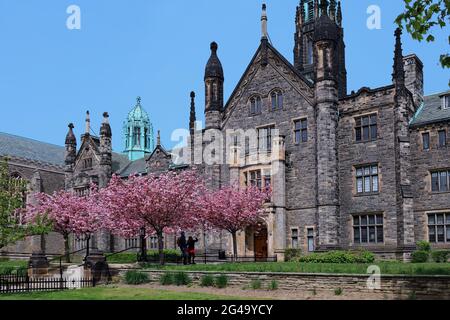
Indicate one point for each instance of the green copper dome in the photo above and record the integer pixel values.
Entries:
(138, 133)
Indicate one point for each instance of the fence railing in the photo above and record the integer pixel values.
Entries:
(24, 284)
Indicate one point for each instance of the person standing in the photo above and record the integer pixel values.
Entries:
(191, 249)
(182, 244)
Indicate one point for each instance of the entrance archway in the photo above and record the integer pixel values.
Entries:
(260, 241)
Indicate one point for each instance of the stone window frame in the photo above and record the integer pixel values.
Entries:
(355, 179)
(439, 171)
(294, 121)
(376, 225)
(362, 115)
(291, 237)
(422, 140)
(131, 243)
(306, 238)
(445, 138)
(264, 172)
(272, 126)
(255, 96)
(445, 224)
(279, 92)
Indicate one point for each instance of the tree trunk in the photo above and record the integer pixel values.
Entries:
(66, 248)
(161, 248)
(234, 246)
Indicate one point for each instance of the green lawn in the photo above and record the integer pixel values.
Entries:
(9, 266)
(386, 268)
(116, 293)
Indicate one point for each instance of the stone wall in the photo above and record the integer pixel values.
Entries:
(424, 287)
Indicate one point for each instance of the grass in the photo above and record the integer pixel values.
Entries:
(117, 293)
(11, 266)
(396, 268)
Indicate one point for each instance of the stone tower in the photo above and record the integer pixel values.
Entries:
(214, 80)
(308, 13)
(70, 155)
(138, 133)
(105, 152)
(326, 38)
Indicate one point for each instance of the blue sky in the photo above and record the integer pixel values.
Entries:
(157, 49)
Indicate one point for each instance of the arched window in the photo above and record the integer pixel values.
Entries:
(255, 105)
(137, 136)
(277, 99)
(309, 51)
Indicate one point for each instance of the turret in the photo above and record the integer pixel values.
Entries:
(326, 37)
(214, 80)
(71, 148)
(105, 141)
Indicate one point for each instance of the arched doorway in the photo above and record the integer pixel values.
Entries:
(260, 240)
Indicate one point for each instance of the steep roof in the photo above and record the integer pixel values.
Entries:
(25, 148)
(137, 166)
(29, 149)
(431, 111)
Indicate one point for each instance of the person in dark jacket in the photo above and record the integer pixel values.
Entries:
(182, 244)
(191, 249)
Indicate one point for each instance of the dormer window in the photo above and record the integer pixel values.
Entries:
(446, 102)
(255, 105)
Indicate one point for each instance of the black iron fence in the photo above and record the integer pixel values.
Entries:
(24, 284)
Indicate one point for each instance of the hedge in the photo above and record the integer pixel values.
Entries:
(339, 257)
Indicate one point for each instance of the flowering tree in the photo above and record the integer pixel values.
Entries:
(67, 214)
(233, 209)
(159, 204)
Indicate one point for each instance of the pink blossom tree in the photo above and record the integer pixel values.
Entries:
(159, 204)
(233, 209)
(67, 214)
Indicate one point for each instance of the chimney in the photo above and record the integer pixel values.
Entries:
(414, 77)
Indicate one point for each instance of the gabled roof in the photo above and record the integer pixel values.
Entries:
(431, 111)
(25, 148)
(138, 166)
(277, 54)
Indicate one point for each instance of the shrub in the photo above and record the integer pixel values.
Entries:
(420, 256)
(135, 277)
(256, 284)
(221, 281)
(423, 246)
(292, 254)
(207, 280)
(338, 291)
(339, 257)
(166, 279)
(181, 279)
(170, 255)
(273, 285)
(440, 256)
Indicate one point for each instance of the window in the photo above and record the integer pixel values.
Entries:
(255, 105)
(294, 238)
(439, 227)
(258, 179)
(446, 102)
(131, 243)
(310, 235)
(301, 130)
(136, 136)
(277, 100)
(87, 163)
(309, 52)
(152, 243)
(442, 138)
(247, 145)
(82, 192)
(265, 136)
(440, 181)
(426, 141)
(146, 138)
(79, 244)
(368, 229)
(366, 128)
(367, 179)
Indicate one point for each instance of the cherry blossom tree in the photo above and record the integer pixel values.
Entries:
(68, 214)
(233, 209)
(160, 204)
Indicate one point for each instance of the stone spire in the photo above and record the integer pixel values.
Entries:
(339, 15)
(316, 9)
(324, 8)
(333, 10)
(71, 148)
(88, 123)
(264, 34)
(398, 77)
(105, 130)
(192, 117)
(158, 138)
(70, 137)
(214, 81)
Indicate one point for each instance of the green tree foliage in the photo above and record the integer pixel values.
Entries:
(420, 19)
(12, 192)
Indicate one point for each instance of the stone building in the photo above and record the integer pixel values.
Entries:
(367, 169)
